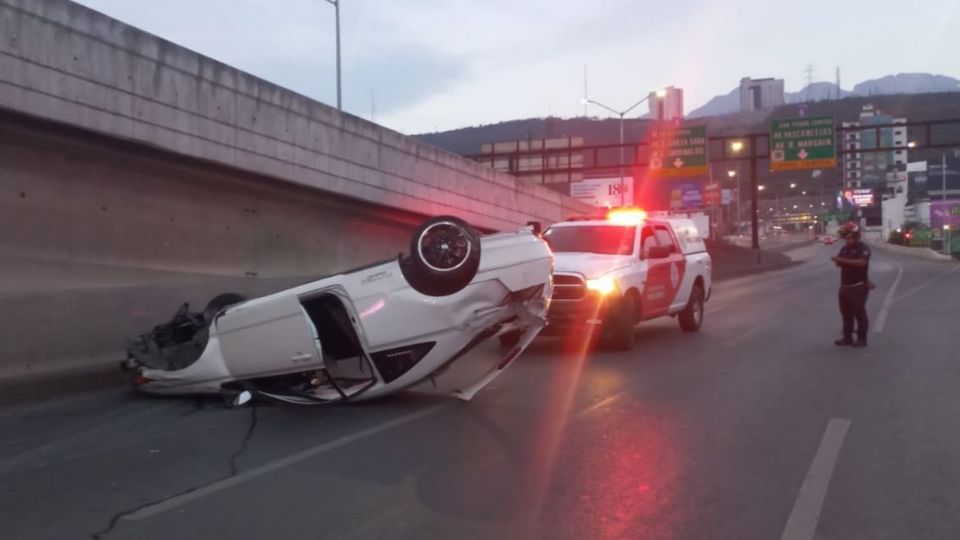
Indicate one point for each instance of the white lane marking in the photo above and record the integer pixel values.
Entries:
(802, 523)
(267, 468)
(888, 301)
(926, 284)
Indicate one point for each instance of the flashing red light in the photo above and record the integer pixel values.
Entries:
(626, 216)
(140, 380)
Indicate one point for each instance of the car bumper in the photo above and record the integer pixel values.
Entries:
(565, 314)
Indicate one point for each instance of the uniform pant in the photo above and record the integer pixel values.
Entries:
(853, 307)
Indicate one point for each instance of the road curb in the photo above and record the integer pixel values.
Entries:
(916, 252)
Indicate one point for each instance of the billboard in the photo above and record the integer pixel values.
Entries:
(860, 198)
(944, 213)
(604, 192)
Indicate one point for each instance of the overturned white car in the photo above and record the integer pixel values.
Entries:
(362, 333)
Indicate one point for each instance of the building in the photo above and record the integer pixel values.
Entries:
(669, 106)
(940, 177)
(877, 170)
(884, 171)
(756, 94)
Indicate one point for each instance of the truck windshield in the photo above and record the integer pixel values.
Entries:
(600, 239)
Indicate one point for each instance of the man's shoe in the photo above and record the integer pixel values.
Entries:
(859, 343)
(843, 342)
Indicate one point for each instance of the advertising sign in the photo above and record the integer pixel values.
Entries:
(726, 196)
(679, 152)
(802, 143)
(686, 196)
(604, 192)
(860, 198)
(944, 213)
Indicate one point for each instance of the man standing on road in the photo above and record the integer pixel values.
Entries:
(854, 263)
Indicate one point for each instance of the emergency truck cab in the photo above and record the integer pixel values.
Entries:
(614, 272)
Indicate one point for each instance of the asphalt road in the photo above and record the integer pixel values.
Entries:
(757, 427)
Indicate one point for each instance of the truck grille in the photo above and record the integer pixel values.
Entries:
(568, 287)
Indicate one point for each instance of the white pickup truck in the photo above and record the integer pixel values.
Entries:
(614, 272)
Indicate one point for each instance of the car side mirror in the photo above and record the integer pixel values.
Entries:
(537, 227)
(660, 252)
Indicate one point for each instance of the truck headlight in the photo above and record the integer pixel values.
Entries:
(604, 286)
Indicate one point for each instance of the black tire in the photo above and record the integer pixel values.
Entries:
(691, 318)
(623, 325)
(509, 340)
(444, 256)
(220, 302)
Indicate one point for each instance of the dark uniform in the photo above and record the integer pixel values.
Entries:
(854, 289)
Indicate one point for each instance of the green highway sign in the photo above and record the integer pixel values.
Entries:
(802, 143)
(839, 217)
(679, 151)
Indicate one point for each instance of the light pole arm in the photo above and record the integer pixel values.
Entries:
(598, 104)
(635, 105)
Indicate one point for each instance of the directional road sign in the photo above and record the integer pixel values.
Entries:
(679, 151)
(802, 143)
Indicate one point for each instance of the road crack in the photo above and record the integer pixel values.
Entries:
(232, 463)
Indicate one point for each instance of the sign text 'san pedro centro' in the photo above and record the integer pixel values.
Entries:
(679, 151)
(802, 143)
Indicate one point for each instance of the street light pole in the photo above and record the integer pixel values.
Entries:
(336, 7)
(621, 114)
(943, 176)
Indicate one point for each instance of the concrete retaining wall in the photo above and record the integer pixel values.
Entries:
(100, 241)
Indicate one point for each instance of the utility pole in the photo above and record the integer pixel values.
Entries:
(754, 198)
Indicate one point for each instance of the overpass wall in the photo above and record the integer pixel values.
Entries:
(64, 62)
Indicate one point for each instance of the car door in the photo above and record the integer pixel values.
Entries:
(654, 300)
(664, 275)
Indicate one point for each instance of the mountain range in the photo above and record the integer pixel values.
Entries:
(901, 83)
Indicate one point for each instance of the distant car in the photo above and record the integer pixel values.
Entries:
(615, 271)
(829, 240)
(363, 333)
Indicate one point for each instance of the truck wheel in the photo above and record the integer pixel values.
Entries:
(220, 302)
(623, 325)
(444, 256)
(691, 318)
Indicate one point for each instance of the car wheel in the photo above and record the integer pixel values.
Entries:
(220, 302)
(444, 256)
(623, 325)
(691, 318)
